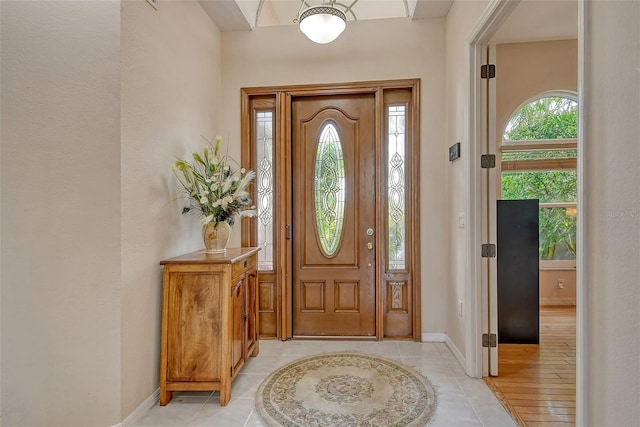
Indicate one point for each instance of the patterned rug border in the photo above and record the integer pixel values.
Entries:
(425, 419)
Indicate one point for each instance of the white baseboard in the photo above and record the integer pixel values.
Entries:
(433, 337)
(456, 352)
(442, 337)
(141, 410)
(557, 301)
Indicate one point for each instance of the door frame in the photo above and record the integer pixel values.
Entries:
(476, 291)
(282, 135)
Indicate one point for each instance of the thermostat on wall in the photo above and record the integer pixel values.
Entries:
(454, 151)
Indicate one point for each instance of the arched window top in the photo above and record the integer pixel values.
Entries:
(545, 118)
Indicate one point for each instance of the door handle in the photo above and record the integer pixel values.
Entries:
(369, 245)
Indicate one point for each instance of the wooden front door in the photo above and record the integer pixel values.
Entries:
(334, 206)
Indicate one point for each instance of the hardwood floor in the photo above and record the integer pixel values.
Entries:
(537, 383)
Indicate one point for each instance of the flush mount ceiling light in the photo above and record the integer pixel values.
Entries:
(322, 24)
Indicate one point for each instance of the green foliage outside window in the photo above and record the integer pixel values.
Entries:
(546, 118)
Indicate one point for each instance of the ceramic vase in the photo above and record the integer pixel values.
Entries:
(216, 236)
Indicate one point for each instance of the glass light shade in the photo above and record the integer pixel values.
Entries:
(322, 24)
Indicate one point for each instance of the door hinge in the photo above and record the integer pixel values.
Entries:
(487, 71)
(489, 340)
(287, 229)
(488, 250)
(245, 318)
(488, 161)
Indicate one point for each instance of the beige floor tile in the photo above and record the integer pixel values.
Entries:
(462, 401)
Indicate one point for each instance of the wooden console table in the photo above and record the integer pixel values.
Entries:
(209, 320)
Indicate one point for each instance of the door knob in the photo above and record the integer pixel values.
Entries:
(369, 245)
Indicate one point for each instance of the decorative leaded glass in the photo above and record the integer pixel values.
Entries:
(396, 206)
(264, 184)
(329, 189)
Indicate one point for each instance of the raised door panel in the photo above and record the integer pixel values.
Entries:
(267, 305)
(347, 297)
(398, 318)
(194, 335)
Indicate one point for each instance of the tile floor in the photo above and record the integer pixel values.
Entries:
(462, 401)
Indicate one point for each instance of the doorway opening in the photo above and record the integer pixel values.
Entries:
(483, 361)
(337, 195)
(538, 161)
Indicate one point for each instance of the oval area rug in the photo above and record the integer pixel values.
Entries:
(347, 390)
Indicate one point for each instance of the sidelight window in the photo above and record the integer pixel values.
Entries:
(264, 187)
(396, 204)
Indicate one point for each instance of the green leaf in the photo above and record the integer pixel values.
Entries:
(197, 157)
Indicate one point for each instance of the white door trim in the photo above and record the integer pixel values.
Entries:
(582, 332)
(476, 290)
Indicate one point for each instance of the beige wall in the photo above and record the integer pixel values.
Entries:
(60, 104)
(461, 18)
(390, 49)
(612, 217)
(170, 103)
(87, 145)
(526, 70)
(558, 286)
(529, 69)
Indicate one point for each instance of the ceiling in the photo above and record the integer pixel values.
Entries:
(532, 20)
(234, 15)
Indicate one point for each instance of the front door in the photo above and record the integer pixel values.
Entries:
(334, 205)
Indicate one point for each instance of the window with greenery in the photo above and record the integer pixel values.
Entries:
(539, 162)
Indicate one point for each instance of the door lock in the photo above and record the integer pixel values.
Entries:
(369, 245)
(369, 231)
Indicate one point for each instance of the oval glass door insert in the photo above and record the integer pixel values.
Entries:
(329, 189)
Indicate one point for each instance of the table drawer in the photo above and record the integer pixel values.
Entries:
(241, 266)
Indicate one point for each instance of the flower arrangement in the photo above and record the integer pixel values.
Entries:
(214, 189)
